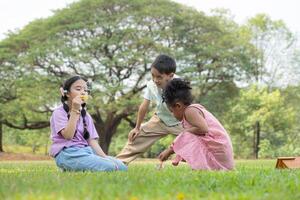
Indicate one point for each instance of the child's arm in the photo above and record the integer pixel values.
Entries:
(196, 119)
(96, 147)
(140, 117)
(165, 154)
(69, 131)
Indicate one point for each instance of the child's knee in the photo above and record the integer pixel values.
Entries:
(122, 166)
(109, 167)
(105, 166)
(119, 164)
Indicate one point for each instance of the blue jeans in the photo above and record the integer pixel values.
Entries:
(84, 159)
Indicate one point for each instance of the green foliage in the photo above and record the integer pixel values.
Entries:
(114, 42)
(119, 139)
(27, 141)
(276, 121)
(159, 146)
(292, 98)
(121, 38)
(218, 100)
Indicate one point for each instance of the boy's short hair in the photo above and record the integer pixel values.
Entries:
(164, 64)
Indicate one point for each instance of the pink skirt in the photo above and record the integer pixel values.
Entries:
(209, 152)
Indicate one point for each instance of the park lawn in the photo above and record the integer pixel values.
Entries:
(252, 179)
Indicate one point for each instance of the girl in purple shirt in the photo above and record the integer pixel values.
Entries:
(74, 137)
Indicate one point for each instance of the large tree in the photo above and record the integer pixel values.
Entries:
(113, 43)
(20, 91)
(277, 45)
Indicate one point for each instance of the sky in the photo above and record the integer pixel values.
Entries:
(15, 14)
(286, 10)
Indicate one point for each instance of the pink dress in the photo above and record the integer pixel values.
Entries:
(212, 151)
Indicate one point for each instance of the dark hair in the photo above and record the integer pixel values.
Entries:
(177, 90)
(66, 87)
(164, 64)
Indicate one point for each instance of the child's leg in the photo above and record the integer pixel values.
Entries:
(83, 159)
(174, 130)
(121, 166)
(150, 132)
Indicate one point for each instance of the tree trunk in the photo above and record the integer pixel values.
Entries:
(105, 135)
(1, 133)
(107, 129)
(105, 140)
(256, 139)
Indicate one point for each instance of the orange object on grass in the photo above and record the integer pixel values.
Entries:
(288, 163)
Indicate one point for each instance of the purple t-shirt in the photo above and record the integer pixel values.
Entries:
(58, 121)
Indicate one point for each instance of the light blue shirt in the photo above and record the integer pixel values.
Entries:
(154, 94)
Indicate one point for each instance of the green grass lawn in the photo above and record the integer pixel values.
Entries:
(251, 180)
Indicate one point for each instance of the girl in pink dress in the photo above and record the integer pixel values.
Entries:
(204, 143)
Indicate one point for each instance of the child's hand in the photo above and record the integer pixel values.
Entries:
(76, 103)
(163, 156)
(133, 134)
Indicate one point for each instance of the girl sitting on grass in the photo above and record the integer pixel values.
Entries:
(204, 144)
(74, 137)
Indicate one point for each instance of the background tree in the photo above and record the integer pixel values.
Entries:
(269, 108)
(113, 43)
(276, 44)
(21, 90)
(8, 77)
